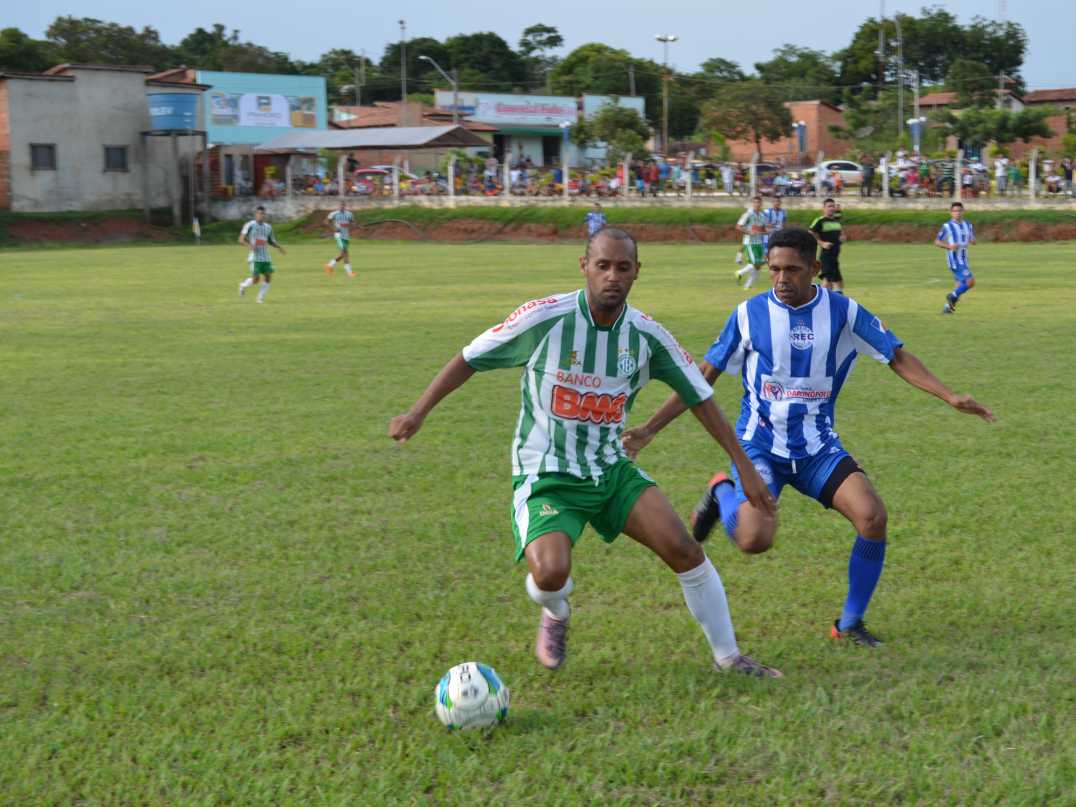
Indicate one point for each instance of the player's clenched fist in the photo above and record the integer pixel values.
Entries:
(403, 427)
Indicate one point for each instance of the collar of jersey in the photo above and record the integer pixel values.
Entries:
(584, 306)
(809, 304)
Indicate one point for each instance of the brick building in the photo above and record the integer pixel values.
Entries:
(797, 149)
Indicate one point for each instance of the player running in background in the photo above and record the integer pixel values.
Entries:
(341, 221)
(753, 225)
(794, 347)
(829, 234)
(258, 235)
(776, 216)
(585, 355)
(955, 236)
(595, 219)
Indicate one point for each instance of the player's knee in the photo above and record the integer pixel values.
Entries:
(685, 554)
(970, 282)
(874, 522)
(754, 541)
(551, 571)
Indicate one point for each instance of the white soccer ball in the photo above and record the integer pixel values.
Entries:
(470, 696)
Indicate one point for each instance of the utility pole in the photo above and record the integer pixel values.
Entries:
(881, 48)
(631, 79)
(360, 78)
(403, 60)
(665, 39)
(900, 78)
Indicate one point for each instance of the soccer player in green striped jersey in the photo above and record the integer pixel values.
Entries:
(585, 355)
(258, 235)
(341, 221)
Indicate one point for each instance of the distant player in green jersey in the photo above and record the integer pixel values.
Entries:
(258, 235)
(341, 221)
(753, 225)
(830, 235)
(585, 355)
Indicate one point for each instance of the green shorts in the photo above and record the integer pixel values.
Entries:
(754, 254)
(261, 268)
(341, 242)
(554, 502)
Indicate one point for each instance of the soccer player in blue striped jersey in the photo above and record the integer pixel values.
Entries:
(775, 216)
(954, 237)
(794, 348)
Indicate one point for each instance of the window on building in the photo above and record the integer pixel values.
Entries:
(115, 158)
(43, 156)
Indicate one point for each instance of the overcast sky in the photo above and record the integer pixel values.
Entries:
(742, 31)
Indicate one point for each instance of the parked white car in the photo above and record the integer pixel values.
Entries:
(851, 173)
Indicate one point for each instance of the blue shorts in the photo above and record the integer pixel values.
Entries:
(818, 476)
(961, 272)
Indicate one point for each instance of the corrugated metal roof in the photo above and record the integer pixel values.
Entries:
(389, 137)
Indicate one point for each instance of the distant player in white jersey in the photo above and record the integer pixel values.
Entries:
(257, 234)
(341, 220)
(794, 347)
(954, 237)
(753, 226)
(585, 355)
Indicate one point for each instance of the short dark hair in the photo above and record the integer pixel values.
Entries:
(957, 204)
(756, 198)
(615, 233)
(829, 199)
(260, 207)
(795, 238)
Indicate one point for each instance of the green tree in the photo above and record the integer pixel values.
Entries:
(22, 53)
(620, 128)
(342, 69)
(977, 126)
(534, 46)
(87, 40)
(720, 71)
(800, 74)
(203, 48)
(750, 110)
(421, 75)
(972, 82)
(602, 70)
(490, 55)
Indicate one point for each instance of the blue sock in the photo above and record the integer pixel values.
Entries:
(725, 494)
(864, 569)
(961, 288)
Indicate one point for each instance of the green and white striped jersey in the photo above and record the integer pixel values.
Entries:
(342, 219)
(752, 219)
(259, 236)
(580, 380)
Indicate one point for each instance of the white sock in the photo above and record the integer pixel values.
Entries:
(348, 267)
(332, 262)
(739, 257)
(745, 270)
(751, 277)
(705, 598)
(264, 291)
(246, 284)
(555, 602)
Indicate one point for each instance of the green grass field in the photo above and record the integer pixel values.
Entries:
(221, 583)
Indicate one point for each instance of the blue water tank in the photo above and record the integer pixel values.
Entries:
(173, 110)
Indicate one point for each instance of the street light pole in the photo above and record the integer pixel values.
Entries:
(665, 39)
(403, 61)
(900, 78)
(455, 88)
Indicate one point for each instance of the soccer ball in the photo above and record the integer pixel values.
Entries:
(470, 696)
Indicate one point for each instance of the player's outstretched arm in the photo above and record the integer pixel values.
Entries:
(452, 376)
(710, 416)
(636, 439)
(911, 369)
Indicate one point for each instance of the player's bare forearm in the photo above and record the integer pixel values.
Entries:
(709, 414)
(452, 376)
(674, 406)
(908, 366)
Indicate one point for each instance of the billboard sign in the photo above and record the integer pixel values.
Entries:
(262, 109)
(513, 110)
(593, 103)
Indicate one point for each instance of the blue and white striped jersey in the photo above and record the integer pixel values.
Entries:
(960, 233)
(775, 220)
(793, 363)
(595, 221)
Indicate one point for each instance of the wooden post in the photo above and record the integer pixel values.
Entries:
(175, 184)
(396, 180)
(627, 175)
(340, 190)
(287, 177)
(205, 176)
(687, 167)
(506, 175)
(883, 163)
(818, 173)
(1033, 173)
(753, 174)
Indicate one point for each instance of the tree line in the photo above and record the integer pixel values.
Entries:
(721, 98)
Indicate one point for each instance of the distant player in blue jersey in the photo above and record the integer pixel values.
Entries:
(595, 219)
(775, 216)
(794, 347)
(954, 237)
